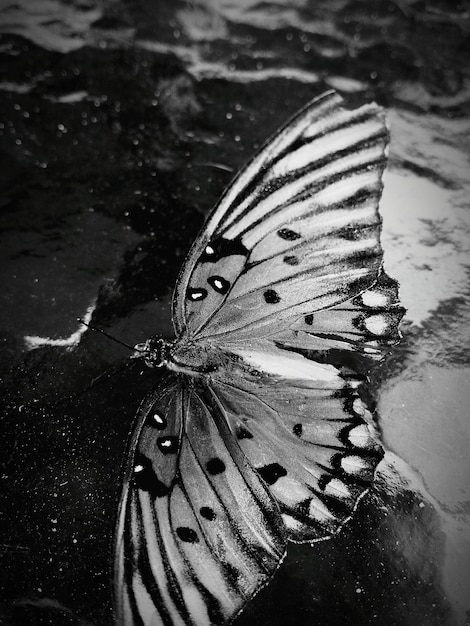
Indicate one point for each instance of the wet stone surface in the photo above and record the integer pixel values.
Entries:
(120, 125)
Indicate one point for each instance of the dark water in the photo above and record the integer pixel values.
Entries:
(121, 122)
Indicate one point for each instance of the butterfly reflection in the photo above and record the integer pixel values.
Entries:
(257, 436)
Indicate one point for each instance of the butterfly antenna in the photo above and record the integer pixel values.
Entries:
(218, 166)
(103, 332)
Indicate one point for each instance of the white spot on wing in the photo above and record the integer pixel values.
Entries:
(353, 464)
(370, 350)
(158, 419)
(336, 488)
(290, 491)
(376, 324)
(290, 522)
(317, 510)
(358, 407)
(374, 299)
(360, 436)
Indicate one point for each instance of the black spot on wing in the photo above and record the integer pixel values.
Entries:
(309, 319)
(345, 392)
(207, 513)
(220, 247)
(323, 481)
(271, 473)
(243, 433)
(350, 233)
(188, 535)
(215, 466)
(291, 259)
(271, 296)
(303, 507)
(340, 509)
(287, 234)
(358, 322)
(297, 430)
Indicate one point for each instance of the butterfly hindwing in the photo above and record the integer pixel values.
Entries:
(308, 434)
(149, 478)
(296, 232)
(188, 553)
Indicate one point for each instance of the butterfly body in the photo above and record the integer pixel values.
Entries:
(194, 358)
(258, 434)
(252, 362)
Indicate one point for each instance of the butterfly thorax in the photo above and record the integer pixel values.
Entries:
(185, 356)
(196, 358)
(155, 351)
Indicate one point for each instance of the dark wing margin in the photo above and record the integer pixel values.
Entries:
(298, 229)
(197, 548)
(367, 324)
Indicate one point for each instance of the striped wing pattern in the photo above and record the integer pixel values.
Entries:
(198, 532)
(297, 232)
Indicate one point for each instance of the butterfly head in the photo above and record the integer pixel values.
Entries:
(154, 351)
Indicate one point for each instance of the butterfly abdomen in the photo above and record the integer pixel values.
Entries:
(251, 361)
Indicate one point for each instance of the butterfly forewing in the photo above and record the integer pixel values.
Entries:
(366, 324)
(297, 230)
(192, 548)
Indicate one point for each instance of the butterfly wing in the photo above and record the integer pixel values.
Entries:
(306, 431)
(198, 531)
(366, 324)
(297, 231)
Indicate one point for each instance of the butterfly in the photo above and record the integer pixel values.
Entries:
(257, 435)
